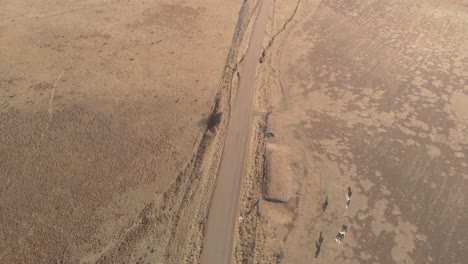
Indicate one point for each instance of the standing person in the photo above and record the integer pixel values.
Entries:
(339, 237)
(341, 234)
(348, 196)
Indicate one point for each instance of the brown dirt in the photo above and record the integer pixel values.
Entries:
(104, 152)
(369, 95)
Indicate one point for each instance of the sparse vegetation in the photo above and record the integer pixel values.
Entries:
(214, 120)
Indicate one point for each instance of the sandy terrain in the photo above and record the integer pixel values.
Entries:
(370, 95)
(114, 116)
(103, 112)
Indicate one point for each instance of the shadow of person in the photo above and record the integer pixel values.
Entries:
(344, 228)
(320, 240)
(317, 252)
(325, 204)
(318, 245)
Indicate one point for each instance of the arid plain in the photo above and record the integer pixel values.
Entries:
(114, 117)
(103, 105)
(370, 95)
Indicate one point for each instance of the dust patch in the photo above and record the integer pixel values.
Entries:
(459, 103)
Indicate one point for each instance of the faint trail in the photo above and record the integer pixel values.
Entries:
(46, 128)
(51, 108)
(53, 91)
(284, 25)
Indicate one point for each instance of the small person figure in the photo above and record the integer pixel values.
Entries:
(325, 204)
(339, 237)
(348, 196)
(341, 234)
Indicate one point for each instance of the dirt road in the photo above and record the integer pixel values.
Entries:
(224, 207)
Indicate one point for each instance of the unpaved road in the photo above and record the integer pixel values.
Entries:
(224, 207)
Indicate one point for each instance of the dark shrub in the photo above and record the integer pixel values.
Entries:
(214, 120)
